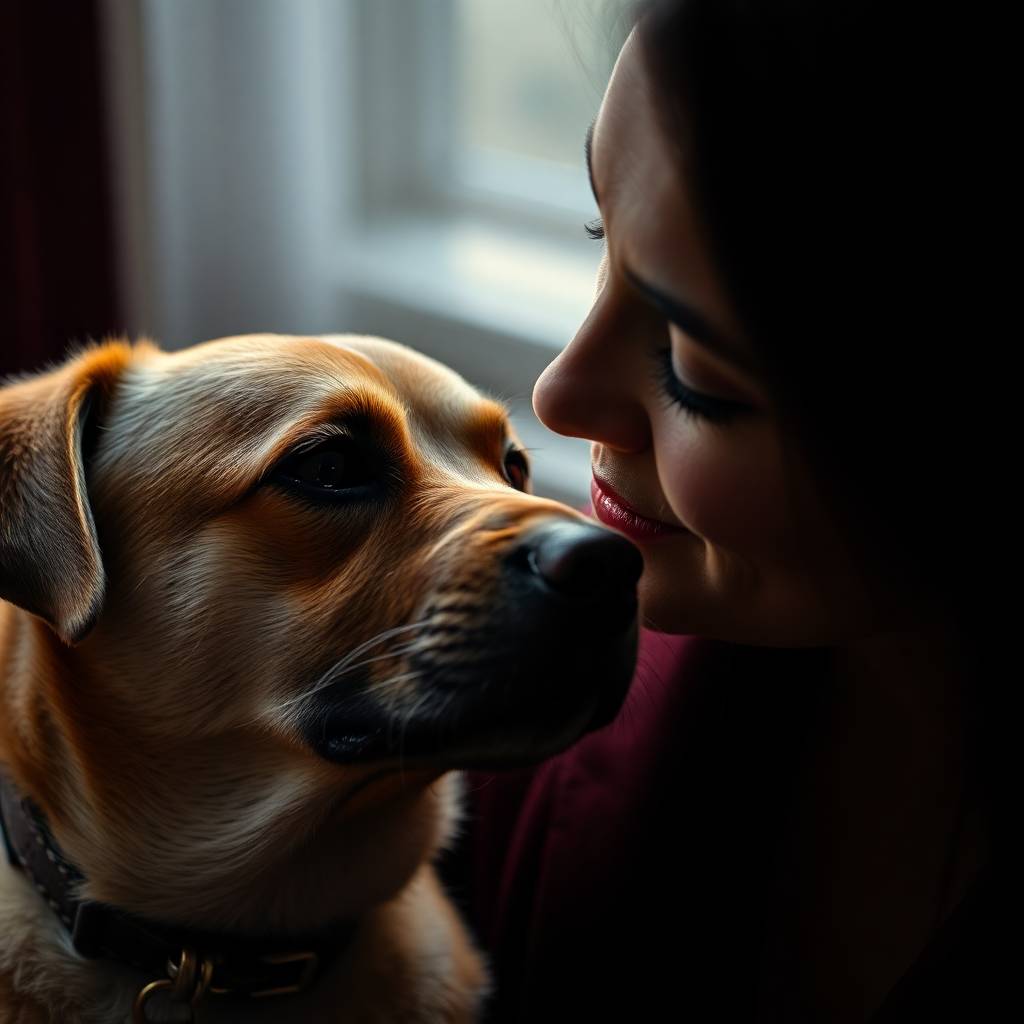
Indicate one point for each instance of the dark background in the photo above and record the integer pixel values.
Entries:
(57, 278)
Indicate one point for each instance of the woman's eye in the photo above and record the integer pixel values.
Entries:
(330, 469)
(694, 403)
(517, 469)
(594, 228)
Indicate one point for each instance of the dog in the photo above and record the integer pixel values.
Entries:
(260, 601)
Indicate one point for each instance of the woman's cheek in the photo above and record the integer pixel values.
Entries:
(726, 484)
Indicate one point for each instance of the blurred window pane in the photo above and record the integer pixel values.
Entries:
(530, 76)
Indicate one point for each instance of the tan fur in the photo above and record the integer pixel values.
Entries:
(166, 610)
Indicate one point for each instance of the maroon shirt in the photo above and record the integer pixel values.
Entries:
(630, 877)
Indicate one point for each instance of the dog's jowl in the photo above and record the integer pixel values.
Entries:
(259, 601)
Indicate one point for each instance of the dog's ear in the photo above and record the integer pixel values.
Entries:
(50, 560)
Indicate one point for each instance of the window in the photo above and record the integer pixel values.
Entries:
(410, 168)
(528, 76)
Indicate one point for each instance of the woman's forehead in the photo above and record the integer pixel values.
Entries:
(624, 121)
(639, 176)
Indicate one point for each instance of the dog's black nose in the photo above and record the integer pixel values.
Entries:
(581, 560)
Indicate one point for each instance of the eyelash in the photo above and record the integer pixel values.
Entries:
(594, 229)
(693, 403)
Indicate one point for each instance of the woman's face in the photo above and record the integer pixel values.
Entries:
(689, 457)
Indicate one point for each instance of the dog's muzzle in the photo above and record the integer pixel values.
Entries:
(509, 666)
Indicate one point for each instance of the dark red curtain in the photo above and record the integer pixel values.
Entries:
(57, 281)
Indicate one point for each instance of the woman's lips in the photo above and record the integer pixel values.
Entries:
(615, 512)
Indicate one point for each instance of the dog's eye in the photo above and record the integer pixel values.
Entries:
(332, 468)
(517, 469)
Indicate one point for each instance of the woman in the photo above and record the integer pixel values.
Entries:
(792, 818)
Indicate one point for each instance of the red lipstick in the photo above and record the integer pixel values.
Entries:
(616, 512)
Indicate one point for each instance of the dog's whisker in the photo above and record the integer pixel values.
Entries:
(390, 691)
(401, 677)
(395, 652)
(346, 667)
(386, 634)
(336, 673)
(342, 669)
(354, 654)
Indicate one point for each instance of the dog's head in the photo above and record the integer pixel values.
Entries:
(295, 581)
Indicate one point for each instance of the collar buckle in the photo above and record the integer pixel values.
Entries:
(187, 981)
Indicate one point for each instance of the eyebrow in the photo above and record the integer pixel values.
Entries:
(693, 323)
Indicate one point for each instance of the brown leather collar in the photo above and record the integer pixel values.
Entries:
(253, 966)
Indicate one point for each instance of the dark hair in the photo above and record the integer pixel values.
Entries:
(836, 153)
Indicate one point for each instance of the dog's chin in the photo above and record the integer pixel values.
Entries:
(505, 714)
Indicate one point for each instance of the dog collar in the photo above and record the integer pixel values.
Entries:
(188, 964)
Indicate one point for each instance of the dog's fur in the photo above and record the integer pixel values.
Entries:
(171, 616)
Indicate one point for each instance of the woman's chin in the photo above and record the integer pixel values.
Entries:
(668, 609)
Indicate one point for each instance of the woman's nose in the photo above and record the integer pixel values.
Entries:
(589, 389)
